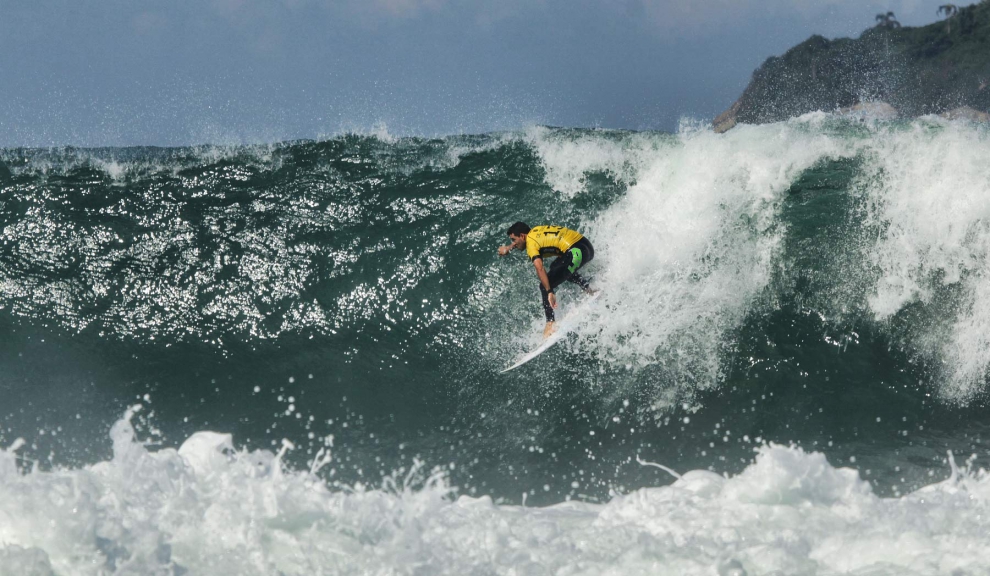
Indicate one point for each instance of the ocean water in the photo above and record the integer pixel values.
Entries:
(285, 359)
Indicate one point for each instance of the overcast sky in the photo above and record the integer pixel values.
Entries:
(168, 72)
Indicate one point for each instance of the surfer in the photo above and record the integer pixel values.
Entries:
(571, 249)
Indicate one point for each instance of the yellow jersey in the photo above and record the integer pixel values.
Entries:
(543, 241)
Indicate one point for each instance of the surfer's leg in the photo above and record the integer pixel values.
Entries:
(563, 270)
(559, 271)
(577, 257)
(580, 280)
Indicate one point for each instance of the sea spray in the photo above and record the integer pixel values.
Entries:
(691, 246)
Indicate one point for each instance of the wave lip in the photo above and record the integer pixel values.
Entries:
(208, 509)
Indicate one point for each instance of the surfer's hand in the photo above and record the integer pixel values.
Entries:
(503, 250)
(553, 299)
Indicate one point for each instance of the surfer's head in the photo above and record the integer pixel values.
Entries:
(517, 232)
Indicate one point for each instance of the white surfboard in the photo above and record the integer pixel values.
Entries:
(564, 326)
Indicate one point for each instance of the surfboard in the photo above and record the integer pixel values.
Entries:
(565, 325)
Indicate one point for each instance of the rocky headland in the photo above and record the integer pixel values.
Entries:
(942, 68)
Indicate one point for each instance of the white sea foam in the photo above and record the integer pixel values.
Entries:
(692, 243)
(686, 253)
(927, 188)
(569, 156)
(208, 509)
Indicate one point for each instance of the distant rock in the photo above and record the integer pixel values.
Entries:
(871, 111)
(913, 71)
(726, 120)
(966, 113)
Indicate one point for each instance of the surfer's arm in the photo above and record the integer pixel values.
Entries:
(504, 250)
(545, 280)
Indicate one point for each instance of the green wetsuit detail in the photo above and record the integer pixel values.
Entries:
(576, 258)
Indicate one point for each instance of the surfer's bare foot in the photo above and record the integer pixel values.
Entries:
(548, 330)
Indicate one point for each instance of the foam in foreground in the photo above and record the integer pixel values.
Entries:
(208, 509)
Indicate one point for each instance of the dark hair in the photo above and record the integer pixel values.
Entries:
(518, 229)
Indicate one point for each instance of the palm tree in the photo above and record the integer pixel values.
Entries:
(887, 20)
(949, 10)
